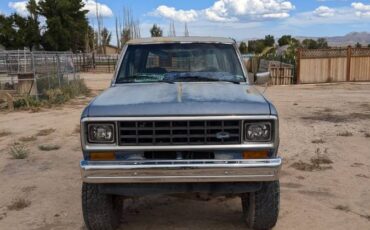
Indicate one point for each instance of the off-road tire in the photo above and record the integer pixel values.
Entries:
(100, 211)
(261, 208)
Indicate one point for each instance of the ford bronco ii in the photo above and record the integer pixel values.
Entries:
(180, 117)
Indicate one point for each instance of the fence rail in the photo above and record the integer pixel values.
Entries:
(333, 65)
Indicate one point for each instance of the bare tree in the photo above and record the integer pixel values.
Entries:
(172, 30)
(131, 27)
(99, 20)
(186, 33)
(118, 34)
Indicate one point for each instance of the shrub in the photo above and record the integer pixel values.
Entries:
(18, 151)
(19, 204)
(45, 132)
(49, 147)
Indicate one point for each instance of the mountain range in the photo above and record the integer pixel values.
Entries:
(348, 39)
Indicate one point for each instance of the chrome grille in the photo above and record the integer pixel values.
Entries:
(161, 133)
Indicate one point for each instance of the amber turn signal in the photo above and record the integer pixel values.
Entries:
(255, 154)
(102, 156)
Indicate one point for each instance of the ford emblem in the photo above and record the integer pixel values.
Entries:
(222, 135)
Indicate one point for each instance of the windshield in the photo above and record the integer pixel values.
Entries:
(180, 62)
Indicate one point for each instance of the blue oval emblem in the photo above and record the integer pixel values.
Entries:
(222, 135)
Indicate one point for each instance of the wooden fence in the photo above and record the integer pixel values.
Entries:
(333, 65)
(281, 73)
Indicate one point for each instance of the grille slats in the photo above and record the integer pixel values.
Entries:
(203, 132)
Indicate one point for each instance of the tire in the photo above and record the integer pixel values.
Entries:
(261, 208)
(100, 211)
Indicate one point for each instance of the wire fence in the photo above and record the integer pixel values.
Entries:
(33, 73)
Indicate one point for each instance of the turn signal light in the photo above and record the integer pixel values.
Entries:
(255, 154)
(102, 156)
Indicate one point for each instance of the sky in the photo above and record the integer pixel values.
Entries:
(239, 19)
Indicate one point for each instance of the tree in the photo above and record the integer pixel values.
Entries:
(269, 40)
(243, 48)
(358, 45)
(32, 31)
(368, 46)
(66, 22)
(322, 43)
(256, 46)
(106, 36)
(156, 31)
(309, 44)
(285, 40)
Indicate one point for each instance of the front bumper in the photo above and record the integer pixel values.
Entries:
(175, 171)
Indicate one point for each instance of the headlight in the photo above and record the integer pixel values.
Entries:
(258, 131)
(100, 133)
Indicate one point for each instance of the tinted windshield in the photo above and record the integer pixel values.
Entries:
(180, 62)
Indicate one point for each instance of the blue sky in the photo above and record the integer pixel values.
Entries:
(240, 19)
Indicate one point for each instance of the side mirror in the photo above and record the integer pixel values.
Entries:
(262, 78)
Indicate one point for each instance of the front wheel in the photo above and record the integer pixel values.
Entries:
(261, 208)
(100, 211)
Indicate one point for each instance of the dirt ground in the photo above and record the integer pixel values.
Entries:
(325, 182)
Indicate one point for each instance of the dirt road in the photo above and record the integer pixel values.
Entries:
(325, 184)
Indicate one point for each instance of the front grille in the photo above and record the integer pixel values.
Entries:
(161, 133)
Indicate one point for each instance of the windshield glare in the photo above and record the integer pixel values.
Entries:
(180, 62)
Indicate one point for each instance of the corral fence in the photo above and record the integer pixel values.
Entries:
(91, 62)
(25, 73)
(333, 65)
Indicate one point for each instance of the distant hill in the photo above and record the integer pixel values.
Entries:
(348, 39)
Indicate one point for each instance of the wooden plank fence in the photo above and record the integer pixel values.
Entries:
(333, 65)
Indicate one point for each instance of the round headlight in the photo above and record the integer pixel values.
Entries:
(101, 133)
(258, 132)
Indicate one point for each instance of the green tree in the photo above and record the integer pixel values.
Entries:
(358, 45)
(322, 43)
(256, 46)
(368, 46)
(32, 31)
(269, 40)
(156, 31)
(285, 40)
(309, 44)
(66, 22)
(243, 48)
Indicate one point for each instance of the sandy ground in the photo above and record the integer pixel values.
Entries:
(313, 195)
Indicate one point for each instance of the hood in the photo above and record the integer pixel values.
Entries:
(178, 99)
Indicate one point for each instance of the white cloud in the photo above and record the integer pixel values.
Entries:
(177, 15)
(226, 10)
(230, 11)
(362, 10)
(103, 9)
(19, 7)
(324, 11)
(90, 5)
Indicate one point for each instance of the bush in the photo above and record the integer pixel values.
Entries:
(52, 94)
(18, 151)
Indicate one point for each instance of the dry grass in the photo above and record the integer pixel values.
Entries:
(317, 163)
(345, 134)
(19, 204)
(318, 141)
(4, 133)
(342, 208)
(18, 151)
(77, 129)
(28, 138)
(49, 147)
(45, 132)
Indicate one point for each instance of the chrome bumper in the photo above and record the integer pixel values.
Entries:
(180, 171)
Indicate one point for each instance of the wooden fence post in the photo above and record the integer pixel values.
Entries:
(298, 65)
(349, 56)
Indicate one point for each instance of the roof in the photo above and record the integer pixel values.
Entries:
(159, 40)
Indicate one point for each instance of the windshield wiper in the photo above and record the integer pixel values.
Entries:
(201, 78)
(143, 79)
